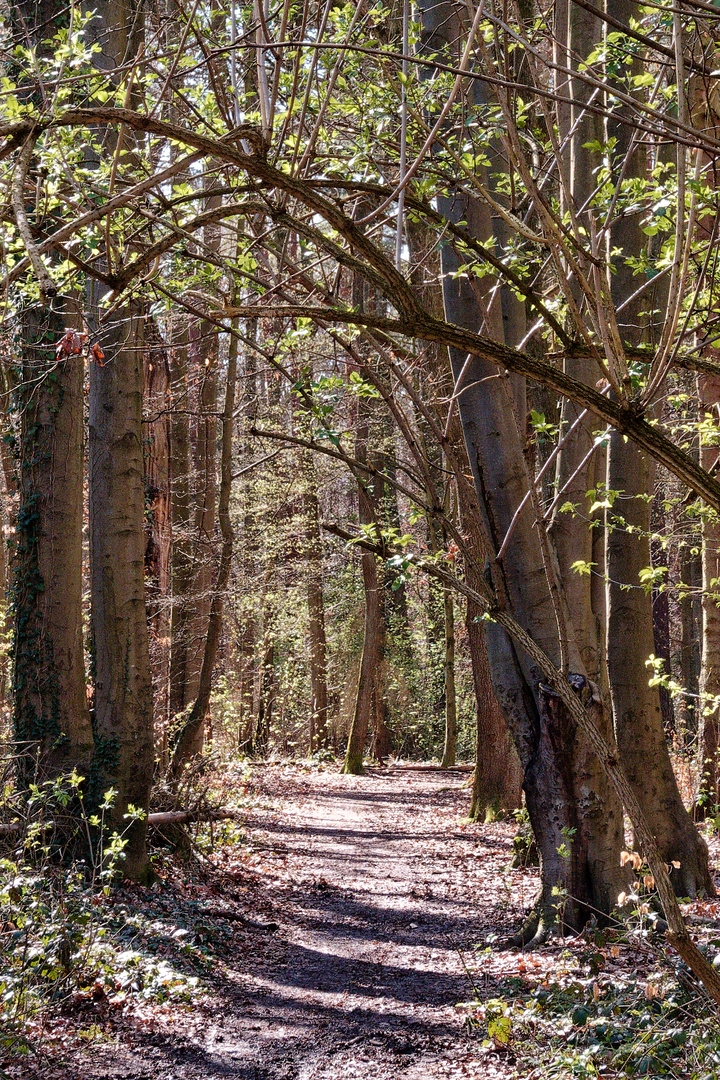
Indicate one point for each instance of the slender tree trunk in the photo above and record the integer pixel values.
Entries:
(704, 112)
(266, 696)
(638, 718)
(316, 611)
(636, 705)
(187, 740)
(248, 629)
(572, 539)
(372, 658)
(364, 702)
(661, 632)
(194, 509)
(709, 711)
(158, 550)
(449, 749)
(690, 647)
(181, 512)
(370, 702)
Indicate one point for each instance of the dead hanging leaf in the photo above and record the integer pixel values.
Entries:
(631, 857)
(649, 882)
(622, 899)
(596, 991)
(98, 354)
(650, 991)
(70, 344)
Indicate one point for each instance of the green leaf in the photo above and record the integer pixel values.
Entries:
(582, 567)
(499, 1029)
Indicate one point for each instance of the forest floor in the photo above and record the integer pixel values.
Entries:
(347, 934)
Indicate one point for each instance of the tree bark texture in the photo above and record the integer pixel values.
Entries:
(450, 746)
(51, 714)
(123, 722)
(497, 780)
(370, 687)
(195, 500)
(319, 737)
(157, 447)
(709, 711)
(636, 705)
(572, 807)
(187, 743)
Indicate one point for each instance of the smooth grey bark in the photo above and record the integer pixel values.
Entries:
(497, 779)
(636, 705)
(565, 786)
(572, 537)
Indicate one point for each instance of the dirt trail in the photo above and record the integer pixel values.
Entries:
(378, 888)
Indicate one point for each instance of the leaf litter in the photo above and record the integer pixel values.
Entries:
(349, 932)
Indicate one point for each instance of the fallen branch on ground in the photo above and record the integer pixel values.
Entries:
(165, 817)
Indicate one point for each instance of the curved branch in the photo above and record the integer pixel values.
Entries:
(47, 286)
(627, 419)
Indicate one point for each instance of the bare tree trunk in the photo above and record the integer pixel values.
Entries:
(449, 749)
(708, 718)
(181, 521)
(638, 719)
(187, 740)
(316, 612)
(636, 705)
(372, 657)
(196, 502)
(498, 773)
(661, 633)
(51, 718)
(248, 630)
(158, 550)
(124, 750)
(557, 760)
(266, 696)
(51, 715)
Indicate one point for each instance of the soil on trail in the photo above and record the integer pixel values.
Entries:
(369, 895)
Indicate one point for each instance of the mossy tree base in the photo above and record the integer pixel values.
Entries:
(353, 765)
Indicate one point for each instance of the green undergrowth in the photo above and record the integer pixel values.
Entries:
(78, 942)
(644, 1017)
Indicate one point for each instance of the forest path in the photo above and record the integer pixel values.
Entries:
(384, 887)
(373, 892)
